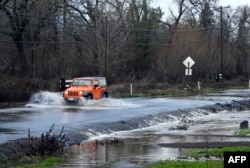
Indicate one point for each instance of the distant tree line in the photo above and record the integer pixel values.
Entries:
(123, 40)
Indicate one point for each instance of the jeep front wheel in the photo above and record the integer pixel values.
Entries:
(89, 97)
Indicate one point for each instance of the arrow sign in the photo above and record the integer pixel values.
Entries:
(188, 62)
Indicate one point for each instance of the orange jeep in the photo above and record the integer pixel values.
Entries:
(87, 87)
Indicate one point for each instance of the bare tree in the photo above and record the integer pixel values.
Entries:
(31, 25)
(242, 41)
(16, 12)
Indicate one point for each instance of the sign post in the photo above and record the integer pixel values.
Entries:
(188, 62)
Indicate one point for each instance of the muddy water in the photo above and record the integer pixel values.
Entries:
(129, 152)
(143, 146)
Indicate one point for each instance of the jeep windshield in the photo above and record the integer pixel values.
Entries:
(81, 82)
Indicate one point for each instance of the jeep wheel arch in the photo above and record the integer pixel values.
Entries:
(88, 95)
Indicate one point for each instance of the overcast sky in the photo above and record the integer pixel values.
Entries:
(166, 4)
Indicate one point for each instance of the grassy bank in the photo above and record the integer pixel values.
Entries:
(145, 90)
(194, 156)
(33, 162)
(188, 164)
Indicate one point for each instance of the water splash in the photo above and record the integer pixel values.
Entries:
(47, 98)
(112, 102)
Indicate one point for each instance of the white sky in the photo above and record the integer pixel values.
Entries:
(166, 4)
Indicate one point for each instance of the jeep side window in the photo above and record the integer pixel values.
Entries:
(102, 83)
(81, 83)
(75, 83)
(87, 82)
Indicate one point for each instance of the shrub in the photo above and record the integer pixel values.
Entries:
(47, 144)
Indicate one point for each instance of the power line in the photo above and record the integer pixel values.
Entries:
(43, 33)
(142, 31)
(102, 41)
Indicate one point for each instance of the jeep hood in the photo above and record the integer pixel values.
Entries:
(78, 88)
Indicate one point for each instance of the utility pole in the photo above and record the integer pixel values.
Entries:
(221, 43)
(106, 48)
(106, 42)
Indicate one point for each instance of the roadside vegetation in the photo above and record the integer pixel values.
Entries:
(141, 89)
(33, 162)
(125, 41)
(200, 158)
(188, 164)
(37, 152)
(49, 162)
(195, 154)
(215, 152)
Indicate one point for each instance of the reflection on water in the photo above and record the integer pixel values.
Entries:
(72, 110)
(128, 153)
(143, 146)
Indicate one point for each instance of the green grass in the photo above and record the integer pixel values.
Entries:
(33, 162)
(216, 152)
(198, 153)
(50, 162)
(188, 164)
(242, 132)
(166, 92)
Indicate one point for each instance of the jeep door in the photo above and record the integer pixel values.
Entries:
(97, 91)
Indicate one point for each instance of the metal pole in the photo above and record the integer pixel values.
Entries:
(188, 73)
(106, 48)
(131, 89)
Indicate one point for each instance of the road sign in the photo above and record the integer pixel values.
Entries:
(188, 62)
(188, 72)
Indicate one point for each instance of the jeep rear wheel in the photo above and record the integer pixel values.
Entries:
(105, 95)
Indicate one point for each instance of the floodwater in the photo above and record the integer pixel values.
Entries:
(143, 146)
(95, 118)
(126, 132)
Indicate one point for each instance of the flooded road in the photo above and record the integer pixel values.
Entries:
(140, 122)
(46, 109)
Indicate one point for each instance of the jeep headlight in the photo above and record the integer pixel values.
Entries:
(65, 92)
(80, 92)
